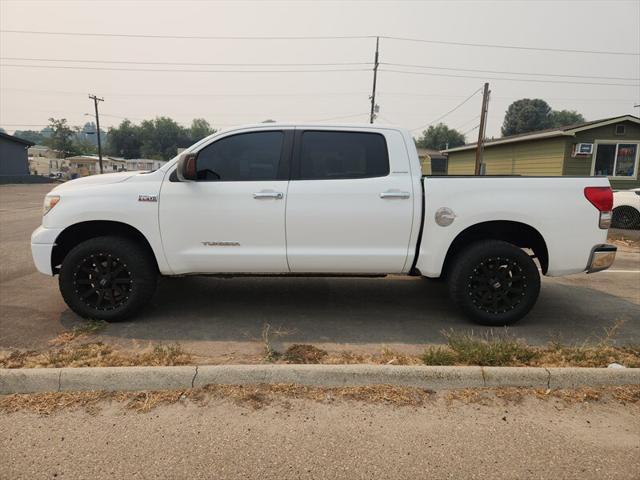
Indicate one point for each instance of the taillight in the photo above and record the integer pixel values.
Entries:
(602, 199)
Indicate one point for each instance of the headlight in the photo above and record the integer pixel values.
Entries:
(50, 201)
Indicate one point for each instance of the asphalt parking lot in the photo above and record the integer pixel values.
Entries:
(223, 319)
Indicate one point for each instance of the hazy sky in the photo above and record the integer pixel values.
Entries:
(29, 95)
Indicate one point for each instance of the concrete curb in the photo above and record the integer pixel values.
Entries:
(31, 380)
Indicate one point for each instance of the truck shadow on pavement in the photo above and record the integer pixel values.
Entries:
(354, 311)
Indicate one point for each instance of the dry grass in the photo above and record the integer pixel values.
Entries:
(251, 396)
(260, 396)
(269, 334)
(624, 240)
(87, 328)
(96, 355)
(302, 353)
(494, 348)
(625, 394)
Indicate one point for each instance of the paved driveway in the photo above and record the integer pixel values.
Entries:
(224, 318)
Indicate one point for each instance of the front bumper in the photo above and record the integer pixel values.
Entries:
(601, 258)
(42, 243)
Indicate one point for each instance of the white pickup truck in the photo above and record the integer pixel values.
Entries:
(317, 200)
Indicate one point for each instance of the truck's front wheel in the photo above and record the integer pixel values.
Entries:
(107, 278)
(494, 282)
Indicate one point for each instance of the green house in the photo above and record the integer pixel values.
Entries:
(608, 147)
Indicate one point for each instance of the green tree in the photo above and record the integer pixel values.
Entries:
(562, 118)
(530, 115)
(199, 129)
(526, 115)
(84, 146)
(30, 136)
(161, 137)
(124, 140)
(61, 138)
(439, 137)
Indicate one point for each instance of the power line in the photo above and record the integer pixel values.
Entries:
(189, 63)
(467, 122)
(309, 94)
(322, 37)
(194, 37)
(471, 129)
(513, 47)
(449, 112)
(143, 94)
(508, 72)
(530, 80)
(155, 70)
(328, 64)
(406, 72)
(578, 99)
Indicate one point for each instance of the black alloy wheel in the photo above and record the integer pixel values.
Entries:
(108, 278)
(494, 282)
(497, 285)
(102, 281)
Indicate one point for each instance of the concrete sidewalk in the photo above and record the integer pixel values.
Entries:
(31, 380)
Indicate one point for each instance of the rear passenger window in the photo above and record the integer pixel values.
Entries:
(335, 155)
(243, 157)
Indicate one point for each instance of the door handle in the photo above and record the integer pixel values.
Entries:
(395, 194)
(274, 195)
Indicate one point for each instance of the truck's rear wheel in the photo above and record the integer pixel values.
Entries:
(107, 278)
(494, 282)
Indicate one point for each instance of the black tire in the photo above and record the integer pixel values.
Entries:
(625, 217)
(107, 278)
(494, 283)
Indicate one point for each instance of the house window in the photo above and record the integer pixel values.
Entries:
(616, 160)
(620, 130)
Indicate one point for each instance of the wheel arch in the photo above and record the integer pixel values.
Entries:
(517, 233)
(82, 231)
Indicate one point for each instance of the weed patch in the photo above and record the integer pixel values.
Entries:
(486, 350)
(504, 350)
(302, 353)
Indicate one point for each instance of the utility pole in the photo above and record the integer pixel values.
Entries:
(95, 104)
(372, 115)
(483, 126)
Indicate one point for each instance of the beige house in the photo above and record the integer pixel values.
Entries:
(133, 164)
(83, 165)
(41, 151)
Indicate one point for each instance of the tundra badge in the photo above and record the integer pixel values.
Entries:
(147, 198)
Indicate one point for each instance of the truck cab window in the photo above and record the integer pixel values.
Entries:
(244, 157)
(336, 155)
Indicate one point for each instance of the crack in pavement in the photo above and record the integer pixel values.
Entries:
(193, 380)
(548, 378)
(60, 380)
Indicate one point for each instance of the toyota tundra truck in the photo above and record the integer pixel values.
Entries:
(318, 200)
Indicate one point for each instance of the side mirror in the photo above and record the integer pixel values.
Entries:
(187, 170)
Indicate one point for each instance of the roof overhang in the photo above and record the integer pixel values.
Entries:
(554, 133)
(570, 132)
